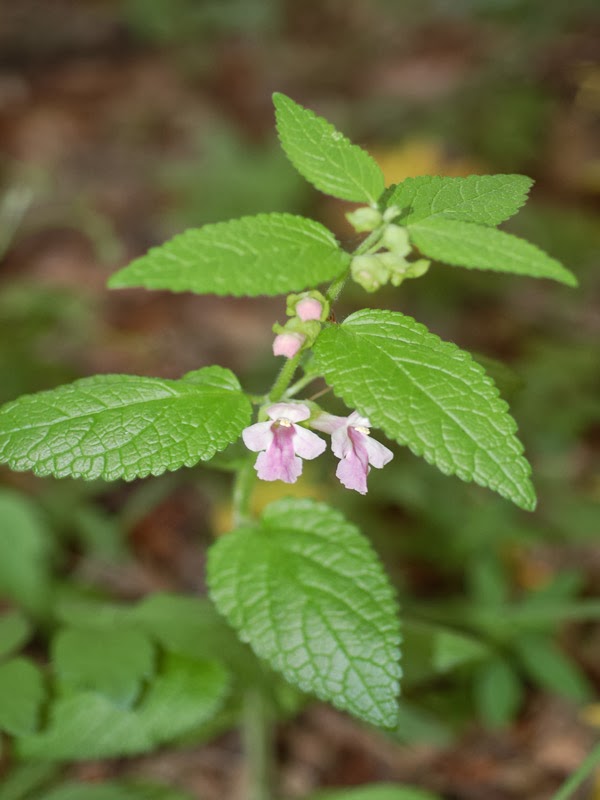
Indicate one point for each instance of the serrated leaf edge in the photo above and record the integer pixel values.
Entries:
(493, 393)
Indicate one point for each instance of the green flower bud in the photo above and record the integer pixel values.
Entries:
(418, 268)
(369, 271)
(364, 219)
(390, 214)
(395, 238)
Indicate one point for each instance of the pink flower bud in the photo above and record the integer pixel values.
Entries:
(308, 309)
(287, 344)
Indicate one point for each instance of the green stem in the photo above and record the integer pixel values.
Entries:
(242, 493)
(580, 774)
(300, 384)
(258, 744)
(370, 244)
(284, 378)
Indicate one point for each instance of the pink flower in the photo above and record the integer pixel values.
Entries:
(308, 309)
(288, 344)
(281, 442)
(352, 444)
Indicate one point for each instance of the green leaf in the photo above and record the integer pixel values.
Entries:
(378, 791)
(21, 696)
(427, 394)
(187, 694)
(463, 244)
(24, 778)
(551, 669)
(123, 426)
(86, 725)
(24, 551)
(113, 662)
(191, 627)
(15, 630)
(498, 693)
(433, 650)
(324, 156)
(264, 255)
(305, 589)
(485, 199)
(121, 790)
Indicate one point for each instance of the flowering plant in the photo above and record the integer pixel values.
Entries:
(300, 584)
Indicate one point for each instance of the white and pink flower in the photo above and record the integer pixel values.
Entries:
(281, 443)
(352, 444)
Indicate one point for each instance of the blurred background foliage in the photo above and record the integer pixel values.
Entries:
(124, 121)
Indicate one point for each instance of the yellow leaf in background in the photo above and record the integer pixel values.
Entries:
(591, 715)
(422, 156)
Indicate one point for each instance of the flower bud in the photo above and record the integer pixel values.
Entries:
(395, 238)
(369, 272)
(288, 344)
(364, 219)
(390, 214)
(418, 268)
(309, 308)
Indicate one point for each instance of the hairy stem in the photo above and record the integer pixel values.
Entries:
(284, 378)
(258, 741)
(242, 493)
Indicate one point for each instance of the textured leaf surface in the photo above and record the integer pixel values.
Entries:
(466, 245)
(264, 255)
(427, 394)
(21, 695)
(113, 661)
(484, 199)
(123, 426)
(305, 589)
(324, 156)
(24, 551)
(15, 630)
(378, 791)
(87, 725)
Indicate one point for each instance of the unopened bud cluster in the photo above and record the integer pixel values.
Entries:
(391, 264)
(307, 312)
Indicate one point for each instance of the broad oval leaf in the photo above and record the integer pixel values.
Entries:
(267, 254)
(21, 695)
(83, 725)
(15, 630)
(113, 661)
(25, 548)
(324, 156)
(463, 244)
(308, 593)
(484, 199)
(429, 395)
(123, 426)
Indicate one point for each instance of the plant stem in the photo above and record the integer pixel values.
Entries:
(284, 378)
(258, 744)
(371, 243)
(242, 492)
(580, 774)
